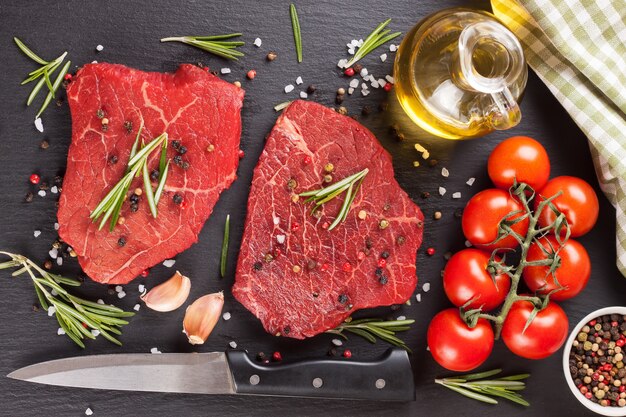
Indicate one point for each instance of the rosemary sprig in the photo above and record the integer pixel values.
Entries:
(79, 318)
(297, 36)
(350, 185)
(43, 73)
(281, 106)
(225, 247)
(477, 387)
(370, 329)
(213, 44)
(111, 204)
(373, 41)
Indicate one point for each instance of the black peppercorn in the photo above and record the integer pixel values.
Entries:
(384, 255)
(178, 199)
(343, 298)
(176, 144)
(154, 175)
(134, 207)
(121, 242)
(113, 159)
(258, 266)
(383, 279)
(178, 160)
(182, 150)
(134, 199)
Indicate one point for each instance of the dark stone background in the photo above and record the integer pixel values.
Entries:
(130, 33)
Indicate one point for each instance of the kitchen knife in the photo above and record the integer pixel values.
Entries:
(388, 378)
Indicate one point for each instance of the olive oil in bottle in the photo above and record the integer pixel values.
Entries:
(460, 73)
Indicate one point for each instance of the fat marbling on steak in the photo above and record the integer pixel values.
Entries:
(295, 275)
(195, 108)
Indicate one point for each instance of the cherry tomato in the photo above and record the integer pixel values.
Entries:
(454, 345)
(484, 212)
(572, 274)
(465, 278)
(544, 336)
(578, 202)
(519, 158)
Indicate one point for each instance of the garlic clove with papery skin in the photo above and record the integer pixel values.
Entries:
(202, 316)
(169, 295)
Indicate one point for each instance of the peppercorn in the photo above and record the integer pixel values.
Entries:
(257, 266)
(113, 159)
(328, 178)
(383, 224)
(100, 113)
(47, 264)
(329, 167)
(182, 150)
(29, 197)
(349, 72)
(343, 298)
(347, 354)
(128, 125)
(251, 74)
(177, 198)
(134, 207)
(388, 87)
(365, 111)
(437, 215)
(384, 255)
(154, 175)
(271, 55)
(34, 179)
(121, 242)
(342, 110)
(178, 160)
(44, 144)
(311, 89)
(260, 357)
(134, 198)
(383, 279)
(185, 165)
(357, 68)
(176, 144)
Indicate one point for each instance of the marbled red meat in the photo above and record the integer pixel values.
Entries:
(296, 276)
(195, 108)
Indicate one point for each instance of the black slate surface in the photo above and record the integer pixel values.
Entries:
(129, 33)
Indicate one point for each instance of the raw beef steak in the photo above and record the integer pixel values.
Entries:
(195, 108)
(295, 275)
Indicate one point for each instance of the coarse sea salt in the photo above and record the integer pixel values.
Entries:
(470, 181)
(41, 193)
(351, 51)
(155, 350)
(60, 331)
(51, 311)
(100, 301)
(37, 233)
(54, 293)
(54, 189)
(225, 70)
(119, 288)
(389, 78)
(54, 252)
(226, 316)
(363, 72)
(303, 94)
(383, 57)
(121, 294)
(59, 261)
(233, 344)
(39, 124)
(456, 195)
(401, 318)
(365, 92)
(343, 63)
(442, 191)
(375, 84)
(444, 172)
(99, 48)
(56, 226)
(426, 287)
(258, 42)
(393, 48)
(354, 83)
(137, 307)
(141, 288)
(299, 80)
(289, 88)
(364, 86)
(350, 90)
(382, 82)
(337, 342)
(418, 298)
(280, 239)
(95, 332)
(168, 263)
(88, 412)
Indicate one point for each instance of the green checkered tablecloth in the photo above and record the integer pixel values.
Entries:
(578, 49)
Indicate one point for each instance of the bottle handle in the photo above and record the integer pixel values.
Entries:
(507, 112)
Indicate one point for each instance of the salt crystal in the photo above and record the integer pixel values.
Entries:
(100, 301)
(168, 263)
(365, 92)
(54, 252)
(353, 42)
(276, 220)
(382, 82)
(225, 70)
(36, 233)
(360, 43)
(258, 42)
(54, 293)
(95, 333)
(60, 331)
(445, 172)
(369, 77)
(99, 48)
(363, 72)
(121, 294)
(418, 298)
(389, 78)
(393, 48)
(426, 287)
(289, 88)
(343, 63)
(119, 288)
(383, 57)
(470, 182)
(88, 412)
(59, 261)
(137, 307)
(354, 83)
(350, 90)
(280, 239)
(94, 62)
(401, 318)
(233, 344)
(299, 80)
(351, 51)
(456, 195)
(468, 244)
(154, 350)
(141, 288)
(51, 311)
(375, 84)
(226, 316)
(442, 191)
(364, 86)
(41, 193)
(303, 94)
(428, 348)
(337, 342)
(56, 226)
(54, 189)
(39, 124)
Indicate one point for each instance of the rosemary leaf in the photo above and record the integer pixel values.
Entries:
(471, 394)
(515, 377)
(225, 247)
(478, 375)
(212, 44)
(371, 328)
(281, 106)
(297, 36)
(373, 41)
(148, 187)
(55, 86)
(29, 53)
(163, 175)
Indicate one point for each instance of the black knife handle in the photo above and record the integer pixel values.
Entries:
(388, 378)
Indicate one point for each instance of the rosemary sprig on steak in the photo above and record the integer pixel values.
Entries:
(373, 41)
(371, 329)
(79, 318)
(43, 74)
(350, 185)
(213, 44)
(111, 204)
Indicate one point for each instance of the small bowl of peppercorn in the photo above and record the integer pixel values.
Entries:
(594, 361)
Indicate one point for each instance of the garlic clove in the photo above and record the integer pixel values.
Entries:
(202, 316)
(169, 295)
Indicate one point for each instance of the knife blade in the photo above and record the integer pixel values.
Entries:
(388, 378)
